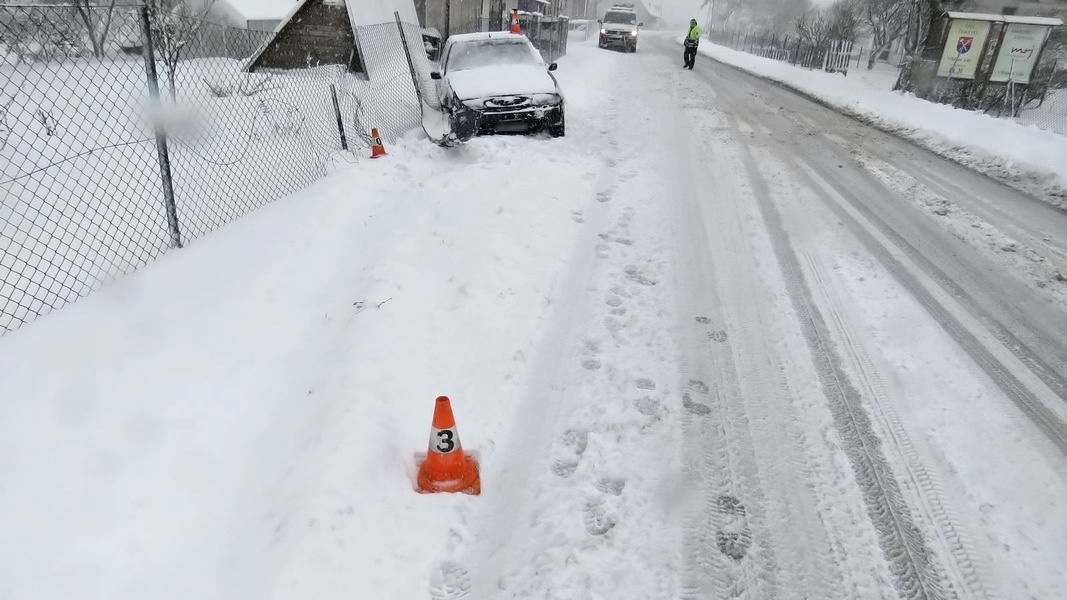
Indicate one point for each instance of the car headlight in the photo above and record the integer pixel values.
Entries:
(603, 31)
(546, 99)
(634, 33)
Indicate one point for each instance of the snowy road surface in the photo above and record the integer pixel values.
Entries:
(718, 342)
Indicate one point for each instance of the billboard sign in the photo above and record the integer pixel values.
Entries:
(963, 48)
(1018, 52)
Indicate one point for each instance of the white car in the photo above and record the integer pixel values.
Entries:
(619, 29)
(497, 82)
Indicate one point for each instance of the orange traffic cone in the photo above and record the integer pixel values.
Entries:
(377, 150)
(514, 27)
(447, 468)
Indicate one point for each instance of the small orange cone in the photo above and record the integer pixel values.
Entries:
(514, 27)
(447, 468)
(377, 150)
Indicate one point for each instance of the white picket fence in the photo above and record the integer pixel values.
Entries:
(838, 57)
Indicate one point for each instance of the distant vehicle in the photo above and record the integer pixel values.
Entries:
(497, 82)
(619, 28)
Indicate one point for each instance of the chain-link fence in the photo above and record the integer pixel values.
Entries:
(121, 138)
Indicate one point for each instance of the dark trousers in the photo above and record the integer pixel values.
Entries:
(689, 56)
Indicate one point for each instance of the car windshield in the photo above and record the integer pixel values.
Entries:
(626, 18)
(484, 53)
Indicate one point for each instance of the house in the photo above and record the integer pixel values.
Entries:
(450, 17)
(327, 32)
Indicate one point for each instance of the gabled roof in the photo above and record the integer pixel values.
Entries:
(302, 41)
(325, 32)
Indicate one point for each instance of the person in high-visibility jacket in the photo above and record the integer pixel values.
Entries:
(692, 40)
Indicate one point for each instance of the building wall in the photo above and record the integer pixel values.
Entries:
(450, 17)
(319, 34)
(464, 16)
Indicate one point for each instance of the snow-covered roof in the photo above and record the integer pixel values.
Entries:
(1054, 22)
(480, 35)
(253, 10)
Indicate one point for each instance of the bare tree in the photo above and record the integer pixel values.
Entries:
(844, 20)
(773, 15)
(838, 22)
(720, 11)
(174, 24)
(96, 16)
(35, 33)
(932, 22)
(887, 20)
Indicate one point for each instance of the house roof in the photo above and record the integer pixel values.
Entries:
(253, 10)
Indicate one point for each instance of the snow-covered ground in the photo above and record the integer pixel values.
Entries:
(240, 419)
(1027, 156)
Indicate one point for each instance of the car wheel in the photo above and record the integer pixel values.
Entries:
(464, 123)
(560, 128)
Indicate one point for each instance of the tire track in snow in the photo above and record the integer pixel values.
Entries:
(725, 539)
(965, 571)
(914, 569)
(967, 577)
(747, 454)
(1025, 398)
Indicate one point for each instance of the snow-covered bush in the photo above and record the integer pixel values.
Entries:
(238, 84)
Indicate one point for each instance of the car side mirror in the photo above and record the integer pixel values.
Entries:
(640, 24)
(435, 74)
(599, 22)
(552, 67)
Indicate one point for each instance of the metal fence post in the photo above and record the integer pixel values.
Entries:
(407, 54)
(161, 135)
(337, 113)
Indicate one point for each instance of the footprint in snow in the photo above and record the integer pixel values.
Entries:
(693, 407)
(450, 581)
(718, 336)
(733, 536)
(567, 451)
(595, 517)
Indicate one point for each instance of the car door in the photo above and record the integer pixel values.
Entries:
(444, 92)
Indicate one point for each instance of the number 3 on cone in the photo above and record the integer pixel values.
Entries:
(445, 442)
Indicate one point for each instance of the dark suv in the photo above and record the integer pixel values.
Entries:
(619, 29)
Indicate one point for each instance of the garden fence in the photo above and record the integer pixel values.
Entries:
(115, 149)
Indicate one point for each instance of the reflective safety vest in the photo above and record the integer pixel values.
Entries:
(694, 33)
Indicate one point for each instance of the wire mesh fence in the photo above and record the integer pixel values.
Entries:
(1041, 102)
(834, 56)
(79, 176)
(121, 138)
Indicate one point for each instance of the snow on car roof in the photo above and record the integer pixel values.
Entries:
(483, 35)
